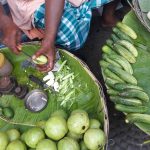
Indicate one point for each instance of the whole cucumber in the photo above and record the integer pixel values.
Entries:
(106, 49)
(114, 38)
(138, 118)
(124, 86)
(129, 46)
(131, 109)
(126, 101)
(104, 64)
(127, 77)
(110, 43)
(111, 75)
(134, 93)
(125, 53)
(127, 30)
(122, 35)
(122, 62)
(112, 92)
(110, 82)
(106, 58)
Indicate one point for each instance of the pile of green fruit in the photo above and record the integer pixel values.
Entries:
(59, 132)
(120, 52)
(6, 112)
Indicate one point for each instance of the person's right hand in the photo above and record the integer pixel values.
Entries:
(11, 34)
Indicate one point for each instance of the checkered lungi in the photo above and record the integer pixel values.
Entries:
(75, 23)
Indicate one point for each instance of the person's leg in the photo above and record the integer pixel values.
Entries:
(74, 26)
(108, 16)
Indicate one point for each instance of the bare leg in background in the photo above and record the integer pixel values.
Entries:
(108, 17)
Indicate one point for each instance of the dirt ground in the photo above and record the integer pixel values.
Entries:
(122, 136)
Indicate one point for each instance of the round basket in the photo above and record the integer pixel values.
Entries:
(22, 120)
(141, 16)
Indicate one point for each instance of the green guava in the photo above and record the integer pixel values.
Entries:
(68, 143)
(33, 136)
(95, 124)
(60, 112)
(78, 111)
(3, 140)
(75, 136)
(16, 145)
(13, 134)
(78, 122)
(94, 139)
(83, 146)
(46, 144)
(56, 128)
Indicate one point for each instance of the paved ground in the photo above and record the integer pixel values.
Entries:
(122, 136)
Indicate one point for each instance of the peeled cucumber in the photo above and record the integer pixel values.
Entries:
(41, 60)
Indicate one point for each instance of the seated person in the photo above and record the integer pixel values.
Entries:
(56, 22)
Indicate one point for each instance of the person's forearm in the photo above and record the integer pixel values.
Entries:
(54, 10)
(1, 16)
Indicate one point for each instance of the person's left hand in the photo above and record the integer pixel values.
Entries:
(47, 49)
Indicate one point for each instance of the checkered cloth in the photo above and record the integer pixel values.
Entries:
(75, 23)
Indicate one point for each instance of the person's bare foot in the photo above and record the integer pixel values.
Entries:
(110, 21)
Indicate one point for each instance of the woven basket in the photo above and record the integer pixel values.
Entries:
(135, 6)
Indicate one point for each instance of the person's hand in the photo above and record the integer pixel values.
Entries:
(47, 49)
(11, 34)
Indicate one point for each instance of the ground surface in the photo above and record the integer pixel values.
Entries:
(122, 136)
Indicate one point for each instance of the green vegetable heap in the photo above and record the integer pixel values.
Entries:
(59, 132)
(120, 52)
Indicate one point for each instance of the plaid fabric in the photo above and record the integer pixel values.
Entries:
(75, 23)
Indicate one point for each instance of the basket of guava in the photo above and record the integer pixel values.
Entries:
(75, 116)
(142, 10)
(126, 70)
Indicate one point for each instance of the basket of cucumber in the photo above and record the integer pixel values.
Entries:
(142, 10)
(76, 89)
(126, 71)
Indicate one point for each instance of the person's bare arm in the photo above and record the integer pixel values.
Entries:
(10, 32)
(54, 11)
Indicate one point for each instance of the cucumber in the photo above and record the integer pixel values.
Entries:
(126, 101)
(106, 49)
(123, 74)
(122, 35)
(110, 82)
(114, 38)
(123, 86)
(136, 117)
(111, 75)
(125, 53)
(104, 63)
(131, 109)
(110, 43)
(133, 93)
(127, 30)
(41, 60)
(122, 62)
(112, 92)
(106, 57)
(129, 46)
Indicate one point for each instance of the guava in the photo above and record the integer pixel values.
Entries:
(13, 134)
(78, 111)
(56, 128)
(78, 122)
(33, 136)
(46, 144)
(68, 143)
(41, 124)
(3, 140)
(75, 136)
(94, 139)
(16, 145)
(95, 124)
(60, 112)
(83, 146)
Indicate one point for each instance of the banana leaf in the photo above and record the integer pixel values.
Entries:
(24, 119)
(142, 65)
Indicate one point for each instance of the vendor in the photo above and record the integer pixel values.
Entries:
(56, 22)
